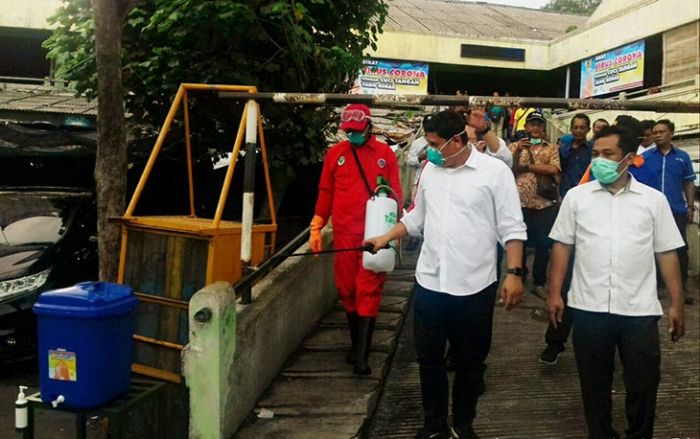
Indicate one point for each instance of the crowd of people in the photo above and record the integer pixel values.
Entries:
(605, 218)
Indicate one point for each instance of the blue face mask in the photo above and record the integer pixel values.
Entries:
(605, 170)
(356, 138)
(434, 155)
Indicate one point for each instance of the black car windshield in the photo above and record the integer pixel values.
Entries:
(35, 217)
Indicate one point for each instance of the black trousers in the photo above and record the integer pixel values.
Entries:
(682, 223)
(467, 322)
(557, 336)
(539, 223)
(596, 336)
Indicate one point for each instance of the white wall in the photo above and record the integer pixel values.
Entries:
(27, 13)
(445, 49)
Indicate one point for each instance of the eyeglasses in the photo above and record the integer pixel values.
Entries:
(354, 116)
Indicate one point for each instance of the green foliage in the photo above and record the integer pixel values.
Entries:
(302, 46)
(580, 7)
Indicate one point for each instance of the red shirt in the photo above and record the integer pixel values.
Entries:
(342, 193)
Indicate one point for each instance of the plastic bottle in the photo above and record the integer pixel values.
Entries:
(380, 217)
(21, 410)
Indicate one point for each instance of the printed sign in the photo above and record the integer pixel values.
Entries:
(392, 77)
(62, 366)
(609, 72)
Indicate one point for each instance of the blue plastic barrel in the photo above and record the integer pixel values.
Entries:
(85, 343)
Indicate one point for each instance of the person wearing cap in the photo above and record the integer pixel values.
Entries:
(350, 172)
(533, 157)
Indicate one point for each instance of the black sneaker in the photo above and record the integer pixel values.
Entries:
(428, 434)
(466, 432)
(551, 353)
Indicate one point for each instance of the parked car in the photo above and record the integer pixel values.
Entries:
(47, 224)
(47, 240)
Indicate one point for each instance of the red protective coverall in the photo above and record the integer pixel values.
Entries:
(343, 195)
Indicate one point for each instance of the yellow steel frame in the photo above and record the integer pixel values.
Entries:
(181, 98)
(214, 227)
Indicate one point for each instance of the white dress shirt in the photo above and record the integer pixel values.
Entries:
(418, 146)
(463, 213)
(616, 237)
(642, 149)
(503, 154)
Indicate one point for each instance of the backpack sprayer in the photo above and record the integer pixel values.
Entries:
(381, 214)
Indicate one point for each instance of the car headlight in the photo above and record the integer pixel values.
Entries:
(12, 287)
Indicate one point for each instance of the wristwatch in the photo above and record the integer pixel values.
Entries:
(516, 271)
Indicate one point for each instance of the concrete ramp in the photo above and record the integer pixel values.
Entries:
(316, 395)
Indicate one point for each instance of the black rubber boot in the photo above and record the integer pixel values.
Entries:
(353, 320)
(364, 346)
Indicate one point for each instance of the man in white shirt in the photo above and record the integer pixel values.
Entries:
(416, 159)
(489, 142)
(465, 203)
(618, 225)
(416, 154)
(647, 141)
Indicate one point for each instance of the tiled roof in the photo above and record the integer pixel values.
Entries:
(44, 99)
(477, 20)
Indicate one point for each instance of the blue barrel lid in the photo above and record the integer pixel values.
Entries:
(87, 300)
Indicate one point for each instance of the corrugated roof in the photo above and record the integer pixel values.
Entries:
(477, 20)
(43, 99)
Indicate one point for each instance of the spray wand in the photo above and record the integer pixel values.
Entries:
(364, 248)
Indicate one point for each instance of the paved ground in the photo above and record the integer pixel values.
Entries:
(50, 425)
(316, 396)
(525, 399)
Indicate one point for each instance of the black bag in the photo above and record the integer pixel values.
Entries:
(547, 186)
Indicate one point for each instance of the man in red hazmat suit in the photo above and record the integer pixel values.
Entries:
(350, 172)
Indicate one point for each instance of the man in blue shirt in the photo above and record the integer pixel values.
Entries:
(675, 177)
(574, 153)
(575, 157)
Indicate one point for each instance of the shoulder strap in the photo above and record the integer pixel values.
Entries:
(370, 192)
